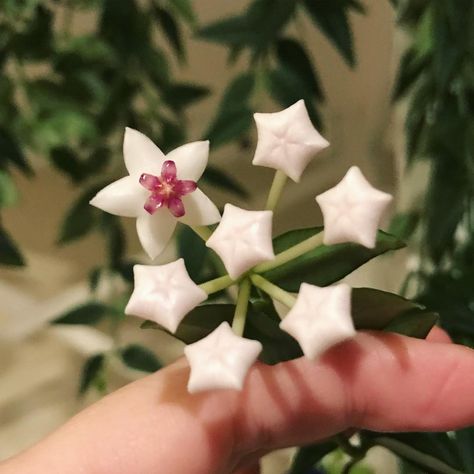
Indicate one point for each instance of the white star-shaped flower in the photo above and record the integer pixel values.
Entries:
(221, 360)
(320, 318)
(243, 239)
(164, 294)
(352, 210)
(159, 190)
(287, 140)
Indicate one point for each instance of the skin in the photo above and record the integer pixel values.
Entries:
(377, 381)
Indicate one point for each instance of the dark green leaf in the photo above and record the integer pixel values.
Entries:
(220, 179)
(9, 252)
(404, 225)
(229, 126)
(65, 160)
(155, 64)
(8, 191)
(180, 96)
(293, 56)
(324, 264)
(238, 92)
(410, 69)
(230, 31)
(140, 358)
(171, 30)
(172, 135)
(465, 443)
(193, 250)
(376, 309)
(90, 313)
(34, 42)
(115, 236)
(10, 152)
(94, 278)
(92, 373)
(81, 217)
(309, 456)
(332, 18)
(185, 9)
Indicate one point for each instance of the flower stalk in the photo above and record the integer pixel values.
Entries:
(276, 190)
(291, 253)
(274, 291)
(216, 285)
(240, 315)
(202, 231)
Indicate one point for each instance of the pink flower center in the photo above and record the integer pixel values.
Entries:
(166, 190)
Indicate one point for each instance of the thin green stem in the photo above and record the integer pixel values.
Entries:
(240, 315)
(279, 181)
(274, 291)
(407, 452)
(202, 231)
(218, 284)
(291, 253)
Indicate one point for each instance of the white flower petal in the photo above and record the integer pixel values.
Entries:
(124, 197)
(352, 210)
(164, 294)
(287, 140)
(141, 155)
(155, 231)
(320, 318)
(243, 239)
(191, 159)
(200, 210)
(221, 360)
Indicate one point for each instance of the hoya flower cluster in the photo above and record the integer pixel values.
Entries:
(162, 190)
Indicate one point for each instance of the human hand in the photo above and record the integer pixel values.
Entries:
(377, 381)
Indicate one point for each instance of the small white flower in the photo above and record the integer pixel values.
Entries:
(221, 360)
(159, 190)
(243, 239)
(164, 294)
(352, 210)
(320, 318)
(287, 140)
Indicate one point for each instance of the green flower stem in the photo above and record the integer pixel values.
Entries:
(273, 290)
(202, 231)
(405, 451)
(240, 315)
(291, 253)
(278, 184)
(218, 284)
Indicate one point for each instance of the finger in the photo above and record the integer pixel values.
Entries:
(377, 381)
(438, 335)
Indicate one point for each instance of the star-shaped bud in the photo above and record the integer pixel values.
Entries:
(352, 210)
(320, 318)
(287, 140)
(164, 294)
(159, 190)
(221, 360)
(243, 239)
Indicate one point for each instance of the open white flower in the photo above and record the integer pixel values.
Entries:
(160, 190)
(243, 239)
(221, 360)
(320, 318)
(164, 294)
(287, 140)
(352, 210)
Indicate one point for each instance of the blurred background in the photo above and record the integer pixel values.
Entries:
(389, 83)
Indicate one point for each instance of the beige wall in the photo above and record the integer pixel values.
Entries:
(36, 360)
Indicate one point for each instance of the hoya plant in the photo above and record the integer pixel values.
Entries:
(277, 297)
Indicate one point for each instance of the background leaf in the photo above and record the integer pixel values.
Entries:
(89, 313)
(140, 358)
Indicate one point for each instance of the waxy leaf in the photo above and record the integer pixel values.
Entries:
(92, 374)
(381, 310)
(171, 30)
(140, 358)
(9, 252)
(324, 264)
(227, 182)
(90, 313)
